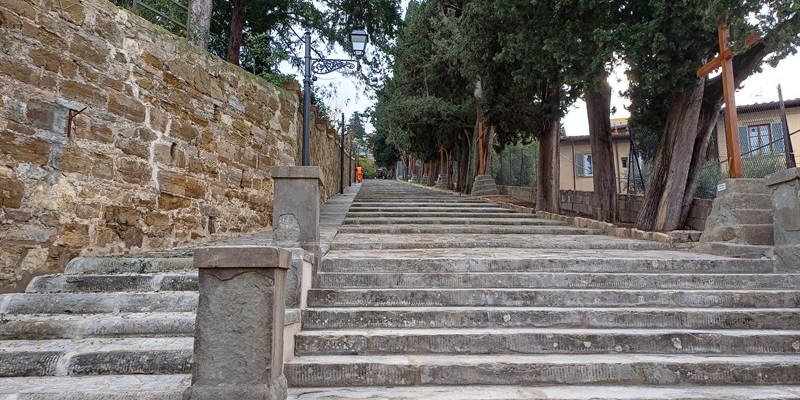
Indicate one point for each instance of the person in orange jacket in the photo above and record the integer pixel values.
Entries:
(359, 174)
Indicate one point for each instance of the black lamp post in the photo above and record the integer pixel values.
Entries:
(322, 66)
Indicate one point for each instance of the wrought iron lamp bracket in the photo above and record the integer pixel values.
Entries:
(322, 66)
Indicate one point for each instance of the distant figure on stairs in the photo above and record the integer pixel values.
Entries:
(359, 174)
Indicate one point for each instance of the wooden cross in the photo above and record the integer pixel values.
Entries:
(725, 60)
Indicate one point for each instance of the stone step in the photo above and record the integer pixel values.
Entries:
(549, 317)
(408, 208)
(559, 392)
(754, 216)
(119, 265)
(758, 234)
(546, 341)
(468, 241)
(746, 185)
(107, 387)
(472, 229)
(427, 214)
(532, 260)
(422, 370)
(96, 303)
(180, 281)
(147, 356)
(456, 229)
(332, 280)
(450, 202)
(526, 219)
(580, 297)
(64, 326)
(725, 249)
(760, 201)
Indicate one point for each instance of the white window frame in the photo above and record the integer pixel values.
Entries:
(583, 165)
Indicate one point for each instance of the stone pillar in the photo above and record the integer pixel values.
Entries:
(238, 346)
(443, 181)
(785, 188)
(295, 208)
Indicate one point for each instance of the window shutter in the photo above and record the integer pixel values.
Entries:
(744, 141)
(579, 164)
(776, 129)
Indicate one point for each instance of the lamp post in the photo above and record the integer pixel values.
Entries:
(322, 66)
(347, 127)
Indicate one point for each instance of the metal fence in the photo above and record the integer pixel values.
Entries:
(516, 165)
(169, 14)
(761, 142)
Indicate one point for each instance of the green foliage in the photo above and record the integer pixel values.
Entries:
(273, 29)
(164, 13)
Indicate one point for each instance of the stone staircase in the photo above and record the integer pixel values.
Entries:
(108, 328)
(427, 295)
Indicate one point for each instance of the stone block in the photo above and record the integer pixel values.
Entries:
(135, 172)
(72, 159)
(12, 192)
(90, 51)
(169, 202)
(84, 93)
(74, 235)
(126, 107)
(238, 347)
(24, 149)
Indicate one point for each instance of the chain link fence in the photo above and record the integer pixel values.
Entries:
(516, 165)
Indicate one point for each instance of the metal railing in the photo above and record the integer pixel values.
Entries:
(169, 14)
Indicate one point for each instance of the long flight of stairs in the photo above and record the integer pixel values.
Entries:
(427, 295)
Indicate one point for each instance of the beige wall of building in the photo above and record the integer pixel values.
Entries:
(767, 114)
(575, 152)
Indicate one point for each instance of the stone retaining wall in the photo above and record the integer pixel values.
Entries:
(117, 137)
(628, 205)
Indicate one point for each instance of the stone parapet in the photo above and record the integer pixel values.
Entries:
(785, 190)
(238, 347)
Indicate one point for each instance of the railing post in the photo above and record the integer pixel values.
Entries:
(295, 207)
(238, 346)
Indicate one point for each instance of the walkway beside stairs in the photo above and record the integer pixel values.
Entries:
(424, 294)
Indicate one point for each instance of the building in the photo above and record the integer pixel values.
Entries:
(576, 159)
(760, 133)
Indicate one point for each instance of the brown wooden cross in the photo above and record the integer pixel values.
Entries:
(725, 60)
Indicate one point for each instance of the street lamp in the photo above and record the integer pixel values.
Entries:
(322, 66)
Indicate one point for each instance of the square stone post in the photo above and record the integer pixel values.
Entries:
(295, 208)
(785, 188)
(238, 346)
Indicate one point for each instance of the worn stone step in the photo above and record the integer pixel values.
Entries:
(754, 216)
(148, 356)
(745, 185)
(446, 201)
(108, 387)
(559, 392)
(761, 201)
(526, 220)
(386, 241)
(758, 234)
(546, 341)
(356, 280)
(532, 260)
(430, 214)
(582, 297)
(410, 208)
(549, 317)
(482, 229)
(396, 370)
(119, 265)
(42, 327)
(95, 303)
(181, 281)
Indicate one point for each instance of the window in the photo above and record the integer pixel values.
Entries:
(761, 139)
(583, 164)
(623, 162)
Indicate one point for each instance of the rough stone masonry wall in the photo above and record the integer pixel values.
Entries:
(174, 146)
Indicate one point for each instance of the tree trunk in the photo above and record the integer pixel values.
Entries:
(489, 134)
(198, 23)
(598, 109)
(663, 202)
(237, 29)
(547, 190)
